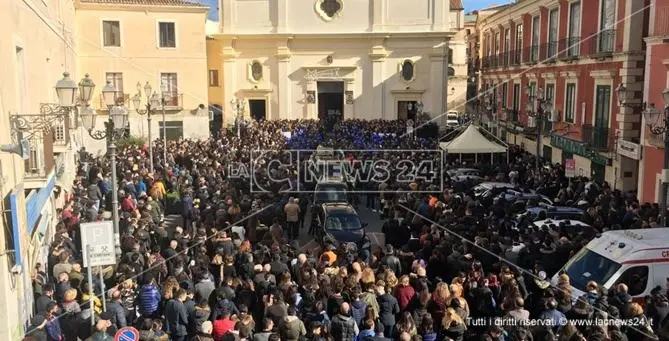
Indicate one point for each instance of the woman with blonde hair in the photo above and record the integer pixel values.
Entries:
(70, 304)
(453, 326)
(441, 298)
(457, 293)
(406, 324)
(404, 293)
(642, 325)
(367, 278)
(391, 280)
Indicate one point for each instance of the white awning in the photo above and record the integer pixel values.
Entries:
(471, 141)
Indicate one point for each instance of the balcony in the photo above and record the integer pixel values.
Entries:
(512, 115)
(599, 138)
(551, 51)
(174, 101)
(569, 48)
(533, 54)
(40, 161)
(516, 57)
(602, 44)
(505, 59)
(122, 100)
(485, 63)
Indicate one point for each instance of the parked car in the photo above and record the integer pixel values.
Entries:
(452, 119)
(340, 223)
(330, 192)
(512, 195)
(552, 212)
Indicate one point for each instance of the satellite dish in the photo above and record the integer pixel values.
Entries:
(22, 148)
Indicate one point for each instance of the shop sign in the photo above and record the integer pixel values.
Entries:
(629, 149)
(578, 148)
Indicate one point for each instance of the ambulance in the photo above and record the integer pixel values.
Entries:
(638, 258)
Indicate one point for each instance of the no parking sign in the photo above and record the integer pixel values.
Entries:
(127, 334)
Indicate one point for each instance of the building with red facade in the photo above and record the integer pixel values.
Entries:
(656, 80)
(577, 53)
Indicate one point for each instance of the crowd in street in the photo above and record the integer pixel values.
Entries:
(230, 269)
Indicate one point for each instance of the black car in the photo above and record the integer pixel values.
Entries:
(339, 223)
(330, 192)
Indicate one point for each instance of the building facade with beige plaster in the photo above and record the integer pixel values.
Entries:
(372, 59)
(38, 45)
(162, 43)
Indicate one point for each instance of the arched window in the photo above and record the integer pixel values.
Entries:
(256, 71)
(407, 70)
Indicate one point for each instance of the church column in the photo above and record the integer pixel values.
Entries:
(285, 85)
(436, 106)
(229, 56)
(378, 57)
(349, 96)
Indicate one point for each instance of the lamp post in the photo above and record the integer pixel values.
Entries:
(239, 106)
(153, 100)
(114, 127)
(658, 125)
(543, 107)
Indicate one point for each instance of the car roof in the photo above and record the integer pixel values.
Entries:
(557, 222)
(496, 185)
(331, 208)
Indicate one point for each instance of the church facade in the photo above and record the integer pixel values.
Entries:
(347, 59)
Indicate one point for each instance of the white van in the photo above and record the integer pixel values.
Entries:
(452, 119)
(638, 258)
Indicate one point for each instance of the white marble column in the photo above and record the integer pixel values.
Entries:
(285, 86)
(349, 91)
(437, 85)
(230, 89)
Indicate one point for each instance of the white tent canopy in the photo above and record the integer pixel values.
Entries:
(471, 141)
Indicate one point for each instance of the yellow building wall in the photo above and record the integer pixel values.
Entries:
(215, 62)
(140, 59)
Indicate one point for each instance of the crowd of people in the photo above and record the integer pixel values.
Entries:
(452, 268)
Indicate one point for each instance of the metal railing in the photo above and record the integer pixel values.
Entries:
(174, 101)
(551, 50)
(532, 54)
(517, 56)
(505, 58)
(513, 115)
(123, 99)
(599, 138)
(602, 43)
(569, 48)
(60, 134)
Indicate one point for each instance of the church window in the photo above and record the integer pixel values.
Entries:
(330, 7)
(408, 71)
(256, 71)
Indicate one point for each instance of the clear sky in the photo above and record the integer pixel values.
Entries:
(471, 5)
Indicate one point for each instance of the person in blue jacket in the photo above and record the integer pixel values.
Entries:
(149, 298)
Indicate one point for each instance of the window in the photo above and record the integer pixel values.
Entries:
(213, 78)
(173, 129)
(330, 7)
(550, 92)
(574, 39)
(116, 79)
(553, 20)
(516, 97)
(570, 103)
(519, 43)
(407, 71)
(59, 132)
(606, 35)
(507, 45)
(451, 72)
(497, 43)
(111, 33)
(603, 107)
(170, 88)
(167, 34)
(536, 27)
(636, 279)
(256, 71)
(450, 56)
(505, 92)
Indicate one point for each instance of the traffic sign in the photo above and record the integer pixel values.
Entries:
(98, 237)
(127, 334)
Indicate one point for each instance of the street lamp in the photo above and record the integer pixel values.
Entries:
(153, 101)
(238, 106)
(539, 112)
(658, 125)
(114, 129)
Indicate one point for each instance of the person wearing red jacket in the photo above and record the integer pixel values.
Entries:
(223, 325)
(404, 293)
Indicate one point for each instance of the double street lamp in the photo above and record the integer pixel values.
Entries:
(538, 108)
(114, 129)
(238, 106)
(153, 101)
(658, 125)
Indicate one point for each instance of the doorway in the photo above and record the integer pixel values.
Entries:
(330, 102)
(258, 109)
(406, 110)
